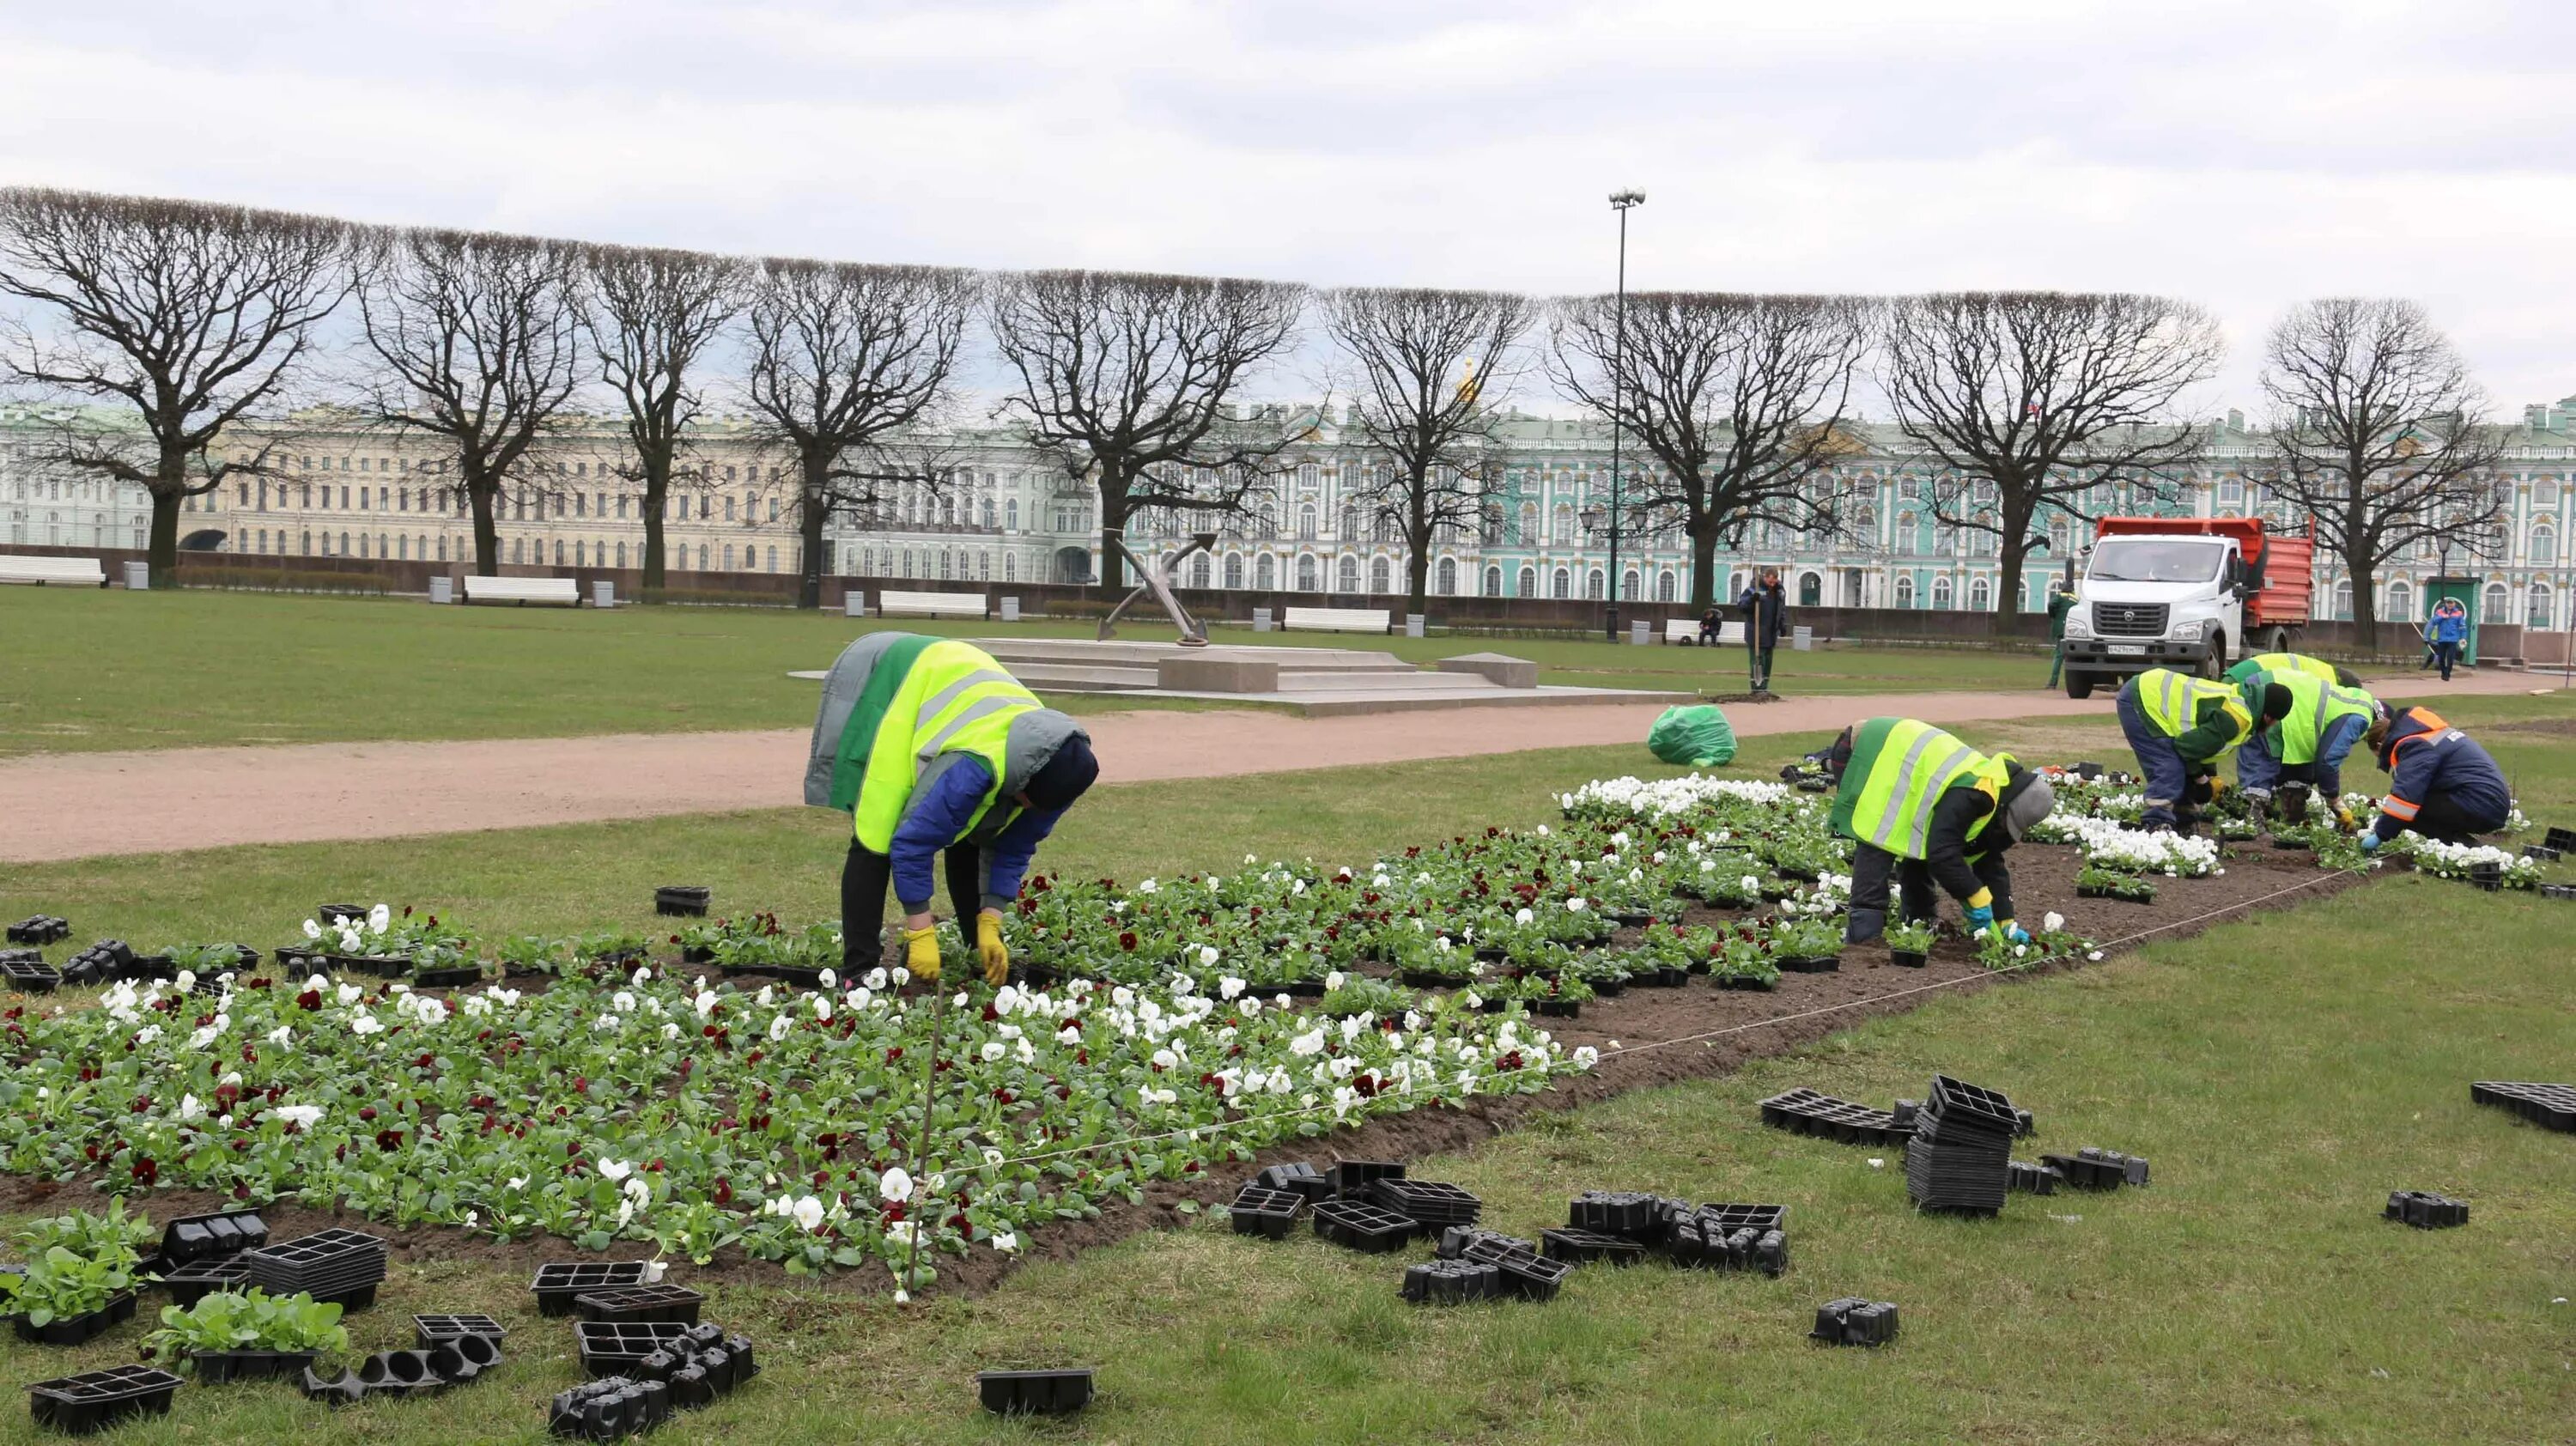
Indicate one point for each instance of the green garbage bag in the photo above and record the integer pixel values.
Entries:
(1698, 735)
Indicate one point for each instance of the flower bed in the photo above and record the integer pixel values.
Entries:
(698, 1115)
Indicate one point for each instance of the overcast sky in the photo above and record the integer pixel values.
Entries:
(2242, 154)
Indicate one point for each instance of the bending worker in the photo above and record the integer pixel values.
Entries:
(2306, 747)
(2444, 786)
(2179, 726)
(2292, 663)
(931, 745)
(1929, 809)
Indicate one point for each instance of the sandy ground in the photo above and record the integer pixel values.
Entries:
(79, 805)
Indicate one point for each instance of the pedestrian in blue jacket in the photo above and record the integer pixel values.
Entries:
(2448, 631)
(2442, 784)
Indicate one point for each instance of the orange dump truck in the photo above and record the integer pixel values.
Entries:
(2191, 593)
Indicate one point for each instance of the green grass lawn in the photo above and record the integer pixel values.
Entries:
(108, 670)
(2283, 1074)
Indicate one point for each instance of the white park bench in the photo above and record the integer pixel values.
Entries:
(1686, 631)
(558, 591)
(60, 571)
(892, 604)
(1337, 620)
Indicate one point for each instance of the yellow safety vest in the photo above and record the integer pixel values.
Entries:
(1898, 771)
(2315, 705)
(954, 699)
(2172, 702)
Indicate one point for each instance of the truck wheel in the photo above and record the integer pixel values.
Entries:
(2079, 686)
(2280, 642)
(2213, 663)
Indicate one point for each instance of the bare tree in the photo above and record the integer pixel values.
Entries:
(478, 342)
(1742, 399)
(1425, 360)
(2027, 398)
(844, 356)
(1125, 378)
(651, 316)
(189, 315)
(2379, 436)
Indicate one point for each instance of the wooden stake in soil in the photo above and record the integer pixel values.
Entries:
(921, 1141)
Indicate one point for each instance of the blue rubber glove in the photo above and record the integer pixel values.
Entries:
(2370, 842)
(2015, 933)
(1980, 918)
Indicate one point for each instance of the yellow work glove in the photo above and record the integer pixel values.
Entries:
(2217, 786)
(989, 946)
(2344, 816)
(921, 953)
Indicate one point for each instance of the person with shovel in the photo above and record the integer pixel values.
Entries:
(931, 746)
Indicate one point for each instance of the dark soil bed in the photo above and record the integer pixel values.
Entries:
(1807, 1007)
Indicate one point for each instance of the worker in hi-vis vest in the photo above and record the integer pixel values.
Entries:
(2179, 726)
(1927, 809)
(931, 745)
(2292, 663)
(2305, 748)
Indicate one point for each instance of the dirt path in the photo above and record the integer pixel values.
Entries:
(81, 805)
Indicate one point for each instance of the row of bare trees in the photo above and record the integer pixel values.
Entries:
(199, 317)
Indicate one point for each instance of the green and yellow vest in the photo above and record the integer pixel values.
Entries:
(2315, 705)
(1898, 771)
(926, 697)
(2172, 702)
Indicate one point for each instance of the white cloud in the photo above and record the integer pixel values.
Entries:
(2242, 156)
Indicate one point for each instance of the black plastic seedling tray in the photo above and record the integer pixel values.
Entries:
(31, 976)
(215, 1368)
(96, 1400)
(2032, 1179)
(211, 1237)
(612, 1348)
(557, 1285)
(1451, 1282)
(431, 1330)
(1474, 1242)
(1805, 1112)
(1614, 1212)
(676, 1304)
(2427, 1211)
(2092, 1168)
(1268, 1213)
(40, 930)
(1372, 1229)
(1972, 1104)
(1583, 1247)
(327, 1263)
(1431, 1204)
(196, 1280)
(1034, 1393)
(1852, 1321)
(73, 1330)
(1351, 1178)
(681, 900)
(2550, 1106)
(608, 1410)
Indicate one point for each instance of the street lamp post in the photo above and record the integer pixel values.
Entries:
(1620, 201)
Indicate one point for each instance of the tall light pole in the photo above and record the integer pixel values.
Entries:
(1620, 201)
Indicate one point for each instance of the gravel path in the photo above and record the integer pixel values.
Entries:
(79, 805)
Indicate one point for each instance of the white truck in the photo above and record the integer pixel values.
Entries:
(2191, 593)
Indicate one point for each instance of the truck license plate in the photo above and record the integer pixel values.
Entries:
(2128, 650)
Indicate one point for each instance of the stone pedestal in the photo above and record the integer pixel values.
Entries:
(1503, 671)
(1217, 674)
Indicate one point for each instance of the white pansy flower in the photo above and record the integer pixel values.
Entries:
(895, 1185)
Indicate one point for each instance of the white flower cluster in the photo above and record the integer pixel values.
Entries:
(2455, 861)
(1633, 797)
(2128, 850)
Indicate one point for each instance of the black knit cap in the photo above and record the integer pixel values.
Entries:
(1066, 776)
